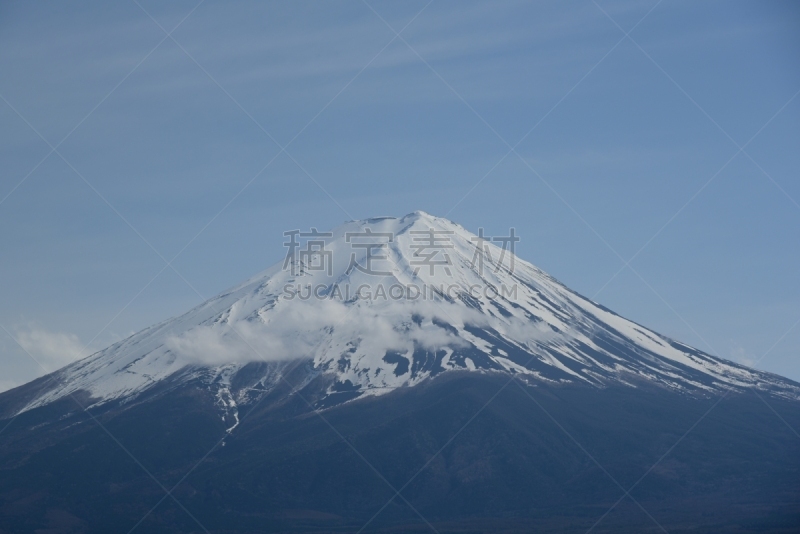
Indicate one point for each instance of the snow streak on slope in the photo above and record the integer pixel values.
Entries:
(511, 319)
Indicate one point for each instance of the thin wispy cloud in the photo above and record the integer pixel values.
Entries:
(51, 350)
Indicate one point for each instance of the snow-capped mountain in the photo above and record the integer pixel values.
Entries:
(384, 303)
(371, 371)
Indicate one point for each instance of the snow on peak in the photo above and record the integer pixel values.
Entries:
(388, 302)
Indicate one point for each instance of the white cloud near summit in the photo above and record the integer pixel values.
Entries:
(298, 331)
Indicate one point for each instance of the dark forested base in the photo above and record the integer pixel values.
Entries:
(536, 458)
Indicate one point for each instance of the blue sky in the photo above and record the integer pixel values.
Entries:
(624, 147)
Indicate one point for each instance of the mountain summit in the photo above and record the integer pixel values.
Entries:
(384, 303)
